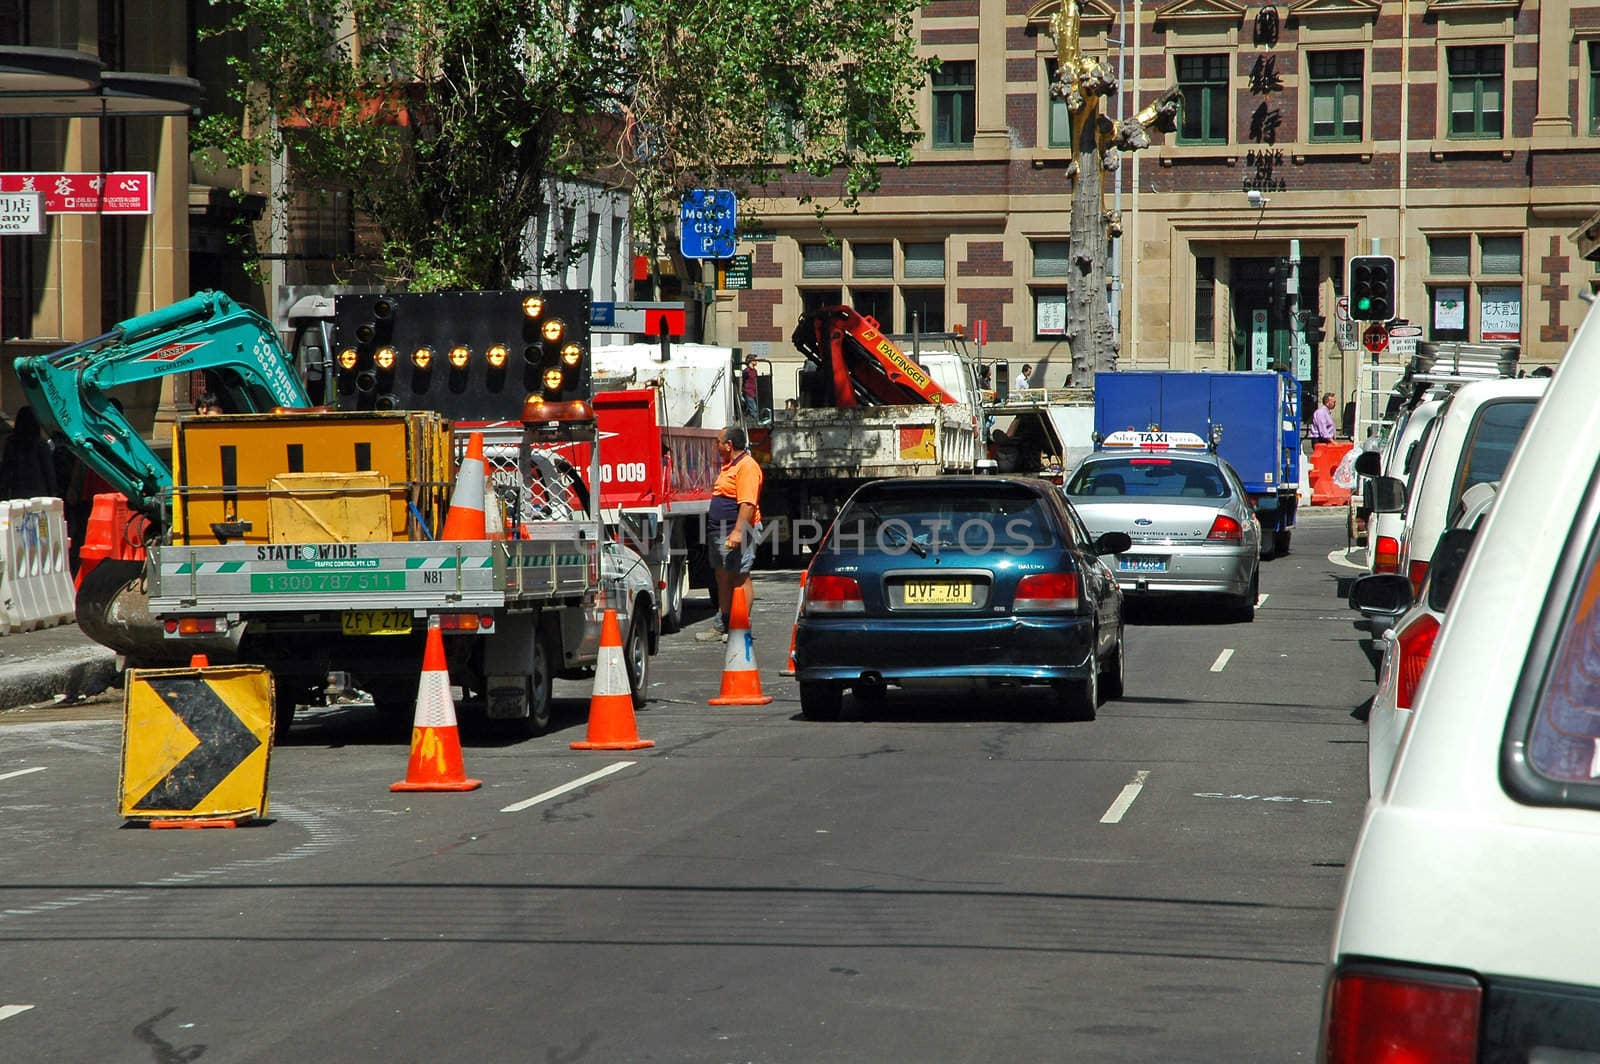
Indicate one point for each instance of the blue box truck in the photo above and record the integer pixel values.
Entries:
(1258, 415)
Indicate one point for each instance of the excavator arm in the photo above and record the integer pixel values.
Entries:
(70, 388)
(862, 365)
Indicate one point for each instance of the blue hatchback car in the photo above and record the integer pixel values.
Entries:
(992, 580)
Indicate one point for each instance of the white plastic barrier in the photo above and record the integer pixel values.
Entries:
(35, 574)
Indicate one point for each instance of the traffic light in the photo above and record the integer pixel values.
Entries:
(1312, 326)
(1372, 287)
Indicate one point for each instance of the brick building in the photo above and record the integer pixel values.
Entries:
(1460, 136)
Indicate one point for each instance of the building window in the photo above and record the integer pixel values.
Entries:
(814, 299)
(1203, 80)
(1475, 299)
(1059, 134)
(875, 303)
(1594, 88)
(1477, 90)
(924, 309)
(872, 260)
(1335, 79)
(1052, 258)
(1205, 299)
(955, 111)
(924, 262)
(1049, 313)
(821, 260)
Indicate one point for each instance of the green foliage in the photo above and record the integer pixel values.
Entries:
(445, 118)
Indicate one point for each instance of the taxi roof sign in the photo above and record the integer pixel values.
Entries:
(1155, 440)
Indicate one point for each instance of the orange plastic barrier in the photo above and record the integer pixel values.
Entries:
(116, 532)
(1325, 458)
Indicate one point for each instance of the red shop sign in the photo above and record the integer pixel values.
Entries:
(116, 193)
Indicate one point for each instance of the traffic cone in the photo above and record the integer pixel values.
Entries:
(199, 661)
(466, 518)
(435, 741)
(788, 668)
(741, 682)
(611, 724)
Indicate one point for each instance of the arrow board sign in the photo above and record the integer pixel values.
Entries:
(195, 743)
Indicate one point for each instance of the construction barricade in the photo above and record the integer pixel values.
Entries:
(1325, 459)
(35, 568)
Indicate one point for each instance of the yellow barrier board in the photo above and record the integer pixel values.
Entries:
(196, 742)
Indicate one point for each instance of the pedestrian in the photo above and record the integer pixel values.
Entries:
(752, 402)
(207, 405)
(1322, 420)
(733, 525)
(1022, 378)
(27, 466)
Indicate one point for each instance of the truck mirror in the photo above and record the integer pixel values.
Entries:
(1369, 464)
(1388, 495)
(1381, 594)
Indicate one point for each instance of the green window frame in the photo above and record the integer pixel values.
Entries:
(1336, 95)
(955, 99)
(1594, 88)
(1203, 81)
(1477, 100)
(1205, 299)
(1058, 133)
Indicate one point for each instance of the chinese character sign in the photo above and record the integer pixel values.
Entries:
(85, 193)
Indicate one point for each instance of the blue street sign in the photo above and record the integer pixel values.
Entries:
(707, 223)
(602, 313)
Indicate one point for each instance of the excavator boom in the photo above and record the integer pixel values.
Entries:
(71, 388)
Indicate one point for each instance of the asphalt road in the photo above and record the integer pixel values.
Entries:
(953, 878)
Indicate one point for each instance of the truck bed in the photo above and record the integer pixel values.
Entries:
(870, 442)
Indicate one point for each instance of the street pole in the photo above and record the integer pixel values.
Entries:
(1116, 195)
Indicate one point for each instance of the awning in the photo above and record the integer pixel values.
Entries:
(59, 83)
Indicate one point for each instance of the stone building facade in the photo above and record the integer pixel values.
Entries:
(1460, 136)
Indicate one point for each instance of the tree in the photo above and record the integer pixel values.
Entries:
(1082, 82)
(444, 118)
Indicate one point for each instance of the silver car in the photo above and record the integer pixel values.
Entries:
(1194, 531)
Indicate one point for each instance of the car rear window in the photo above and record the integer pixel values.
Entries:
(965, 518)
(1551, 753)
(1494, 436)
(1149, 477)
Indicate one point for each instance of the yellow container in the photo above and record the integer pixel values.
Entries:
(311, 476)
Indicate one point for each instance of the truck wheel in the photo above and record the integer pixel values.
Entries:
(821, 701)
(677, 587)
(1280, 542)
(636, 653)
(540, 691)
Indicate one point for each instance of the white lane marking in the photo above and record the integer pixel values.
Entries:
(22, 772)
(1125, 799)
(1260, 599)
(517, 807)
(8, 1011)
(1341, 556)
(1222, 661)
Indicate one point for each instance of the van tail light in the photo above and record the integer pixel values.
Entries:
(1414, 645)
(1386, 555)
(1046, 591)
(1401, 1016)
(828, 594)
(1417, 571)
(1225, 530)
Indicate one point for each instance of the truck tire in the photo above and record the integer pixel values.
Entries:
(1280, 542)
(541, 679)
(636, 654)
(673, 595)
(821, 701)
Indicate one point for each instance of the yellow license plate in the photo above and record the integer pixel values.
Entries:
(938, 593)
(375, 622)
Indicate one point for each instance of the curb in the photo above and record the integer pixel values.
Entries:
(72, 671)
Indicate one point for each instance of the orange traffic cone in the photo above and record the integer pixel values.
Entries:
(741, 682)
(199, 661)
(466, 518)
(435, 741)
(788, 668)
(611, 724)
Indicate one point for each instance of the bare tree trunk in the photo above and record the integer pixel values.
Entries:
(1089, 335)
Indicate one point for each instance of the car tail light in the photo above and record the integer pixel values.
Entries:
(1226, 530)
(466, 622)
(1414, 645)
(1403, 1017)
(833, 594)
(1386, 555)
(1417, 571)
(1046, 591)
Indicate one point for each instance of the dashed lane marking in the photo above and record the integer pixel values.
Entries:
(22, 772)
(1261, 600)
(517, 807)
(1222, 661)
(8, 1011)
(1125, 799)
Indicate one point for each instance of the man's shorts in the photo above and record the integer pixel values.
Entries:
(740, 560)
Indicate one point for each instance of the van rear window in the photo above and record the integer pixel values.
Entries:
(1494, 438)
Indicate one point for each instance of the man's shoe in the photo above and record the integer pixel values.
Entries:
(711, 634)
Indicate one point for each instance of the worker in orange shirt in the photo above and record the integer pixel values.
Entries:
(733, 526)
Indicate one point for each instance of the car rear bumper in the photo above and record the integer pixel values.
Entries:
(1198, 571)
(1027, 650)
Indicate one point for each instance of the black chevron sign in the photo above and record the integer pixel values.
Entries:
(225, 742)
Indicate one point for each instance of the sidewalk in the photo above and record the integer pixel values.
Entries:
(38, 666)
